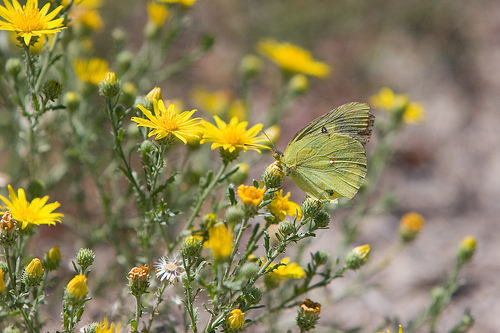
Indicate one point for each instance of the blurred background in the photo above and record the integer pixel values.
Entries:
(442, 53)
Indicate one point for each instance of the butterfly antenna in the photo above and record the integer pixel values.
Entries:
(272, 144)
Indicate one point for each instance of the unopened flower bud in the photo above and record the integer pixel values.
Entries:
(76, 290)
(298, 84)
(250, 66)
(254, 295)
(85, 258)
(155, 93)
(249, 270)
(71, 100)
(209, 220)
(321, 257)
(13, 67)
(241, 175)
(234, 322)
(466, 249)
(124, 60)
(273, 176)
(322, 219)
(357, 257)
(308, 315)
(109, 87)
(52, 258)
(191, 248)
(235, 214)
(2, 282)
(310, 208)
(410, 226)
(33, 273)
(52, 89)
(287, 228)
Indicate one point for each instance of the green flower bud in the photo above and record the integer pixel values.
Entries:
(287, 228)
(119, 111)
(249, 270)
(191, 248)
(357, 257)
(310, 208)
(129, 94)
(35, 189)
(209, 220)
(11, 329)
(308, 315)
(273, 176)
(52, 89)
(33, 273)
(322, 219)
(241, 175)
(119, 37)
(235, 214)
(85, 258)
(466, 249)
(254, 295)
(124, 60)
(71, 100)
(321, 257)
(52, 258)
(13, 67)
(250, 66)
(109, 87)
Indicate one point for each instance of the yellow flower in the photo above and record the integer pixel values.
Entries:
(77, 287)
(103, 327)
(400, 330)
(467, 248)
(233, 136)
(251, 195)
(186, 3)
(34, 212)
(414, 113)
(236, 319)
(237, 109)
(85, 13)
(167, 122)
(288, 271)
(220, 240)
(157, 13)
(212, 102)
(410, 225)
(2, 282)
(29, 21)
(281, 206)
(387, 100)
(292, 58)
(93, 70)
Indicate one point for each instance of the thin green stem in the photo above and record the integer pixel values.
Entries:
(156, 305)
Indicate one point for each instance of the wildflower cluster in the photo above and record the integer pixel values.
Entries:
(140, 185)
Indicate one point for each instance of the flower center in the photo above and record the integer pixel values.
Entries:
(233, 136)
(28, 20)
(171, 123)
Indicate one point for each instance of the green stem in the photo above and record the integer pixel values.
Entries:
(156, 305)
(138, 311)
(199, 203)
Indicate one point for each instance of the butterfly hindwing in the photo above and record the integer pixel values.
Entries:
(326, 165)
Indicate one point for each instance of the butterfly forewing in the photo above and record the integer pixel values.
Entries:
(352, 119)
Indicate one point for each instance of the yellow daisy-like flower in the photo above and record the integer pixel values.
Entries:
(414, 113)
(29, 21)
(281, 206)
(387, 100)
(186, 3)
(103, 327)
(167, 122)
(234, 135)
(93, 70)
(212, 102)
(34, 212)
(291, 270)
(292, 58)
(251, 195)
(158, 13)
(220, 240)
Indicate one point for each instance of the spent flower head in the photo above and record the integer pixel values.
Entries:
(138, 280)
(233, 136)
(308, 315)
(281, 206)
(35, 212)
(169, 270)
(292, 58)
(169, 124)
(29, 21)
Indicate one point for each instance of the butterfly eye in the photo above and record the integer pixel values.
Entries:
(324, 130)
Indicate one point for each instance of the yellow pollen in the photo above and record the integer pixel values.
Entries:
(28, 20)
